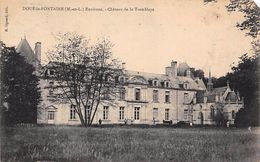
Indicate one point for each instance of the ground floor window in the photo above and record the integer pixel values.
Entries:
(137, 113)
(185, 114)
(87, 112)
(212, 112)
(167, 114)
(73, 112)
(50, 115)
(155, 113)
(105, 113)
(121, 113)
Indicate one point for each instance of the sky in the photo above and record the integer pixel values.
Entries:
(189, 31)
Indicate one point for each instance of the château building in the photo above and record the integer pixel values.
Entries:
(147, 98)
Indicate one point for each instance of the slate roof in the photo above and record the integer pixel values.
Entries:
(26, 51)
(232, 97)
(200, 96)
(176, 82)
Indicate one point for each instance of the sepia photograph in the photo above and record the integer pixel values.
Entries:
(137, 81)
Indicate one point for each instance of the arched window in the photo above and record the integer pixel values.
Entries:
(212, 112)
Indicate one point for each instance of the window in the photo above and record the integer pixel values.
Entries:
(51, 72)
(121, 113)
(117, 79)
(50, 91)
(186, 97)
(150, 82)
(167, 114)
(212, 112)
(137, 113)
(155, 83)
(233, 114)
(73, 112)
(50, 115)
(155, 113)
(121, 80)
(106, 77)
(137, 94)
(167, 84)
(155, 95)
(105, 113)
(87, 111)
(51, 83)
(106, 95)
(167, 96)
(185, 85)
(122, 94)
(185, 114)
(162, 84)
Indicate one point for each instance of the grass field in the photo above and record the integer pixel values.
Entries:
(62, 143)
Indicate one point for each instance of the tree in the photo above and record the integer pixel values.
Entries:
(251, 22)
(20, 95)
(245, 79)
(85, 75)
(198, 73)
(220, 117)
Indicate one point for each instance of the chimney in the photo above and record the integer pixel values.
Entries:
(188, 73)
(37, 51)
(171, 70)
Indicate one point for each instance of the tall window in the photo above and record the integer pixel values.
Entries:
(105, 113)
(50, 115)
(87, 111)
(212, 112)
(167, 96)
(185, 114)
(233, 114)
(50, 92)
(121, 113)
(186, 96)
(73, 112)
(137, 94)
(122, 94)
(167, 114)
(155, 113)
(155, 95)
(137, 113)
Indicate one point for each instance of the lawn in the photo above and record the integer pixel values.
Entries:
(64, 143)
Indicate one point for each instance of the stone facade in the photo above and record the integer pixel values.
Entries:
(148, 98)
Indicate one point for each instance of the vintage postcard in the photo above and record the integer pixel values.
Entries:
(139, 80)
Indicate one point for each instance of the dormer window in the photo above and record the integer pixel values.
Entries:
(185, 85)
(155, 83)
(51, 72)
(167, 84)
(150, 82)
(162, 84)
(137, 94)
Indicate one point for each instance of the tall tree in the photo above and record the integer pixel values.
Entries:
(84, 75)
(245, 79)
(19, 92)
(251, 22)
